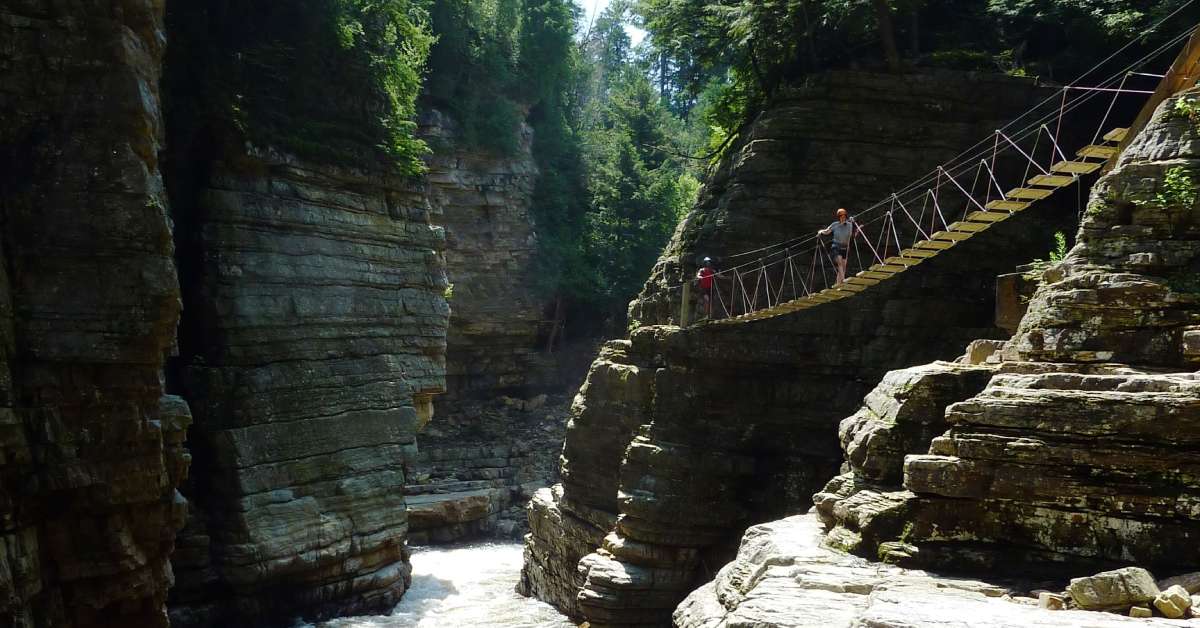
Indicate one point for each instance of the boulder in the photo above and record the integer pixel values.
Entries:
(1115, 589)
(1174, 602)
(1051, 601)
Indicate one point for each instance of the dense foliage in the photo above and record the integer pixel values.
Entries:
(736, 53)
(638, 187)
(329, 80)
(608, 197)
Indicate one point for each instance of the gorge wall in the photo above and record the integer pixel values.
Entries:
(679, 439)
(90, 446)
(313, 333)
(496, 432)
(311, 344)
(314, 337)
(1078, 454)
(483, 200)
(1068, 450)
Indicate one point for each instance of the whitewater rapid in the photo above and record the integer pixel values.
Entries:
(462, 587)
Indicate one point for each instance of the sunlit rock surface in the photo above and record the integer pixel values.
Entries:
(1073, 462)
(784, 577)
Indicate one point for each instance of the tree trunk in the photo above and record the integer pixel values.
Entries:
(555, 324)
(662, 75)
(887, 34)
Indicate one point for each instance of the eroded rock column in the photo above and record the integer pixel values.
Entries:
(90, 448)
(317, 323)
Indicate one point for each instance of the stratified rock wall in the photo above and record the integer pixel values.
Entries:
(477, 468)
(492, 442)
(90, 448)
(1079, 461)
(691, 435)
(316, 331)
(483, 200)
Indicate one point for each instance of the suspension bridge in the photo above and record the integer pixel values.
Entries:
(956, 202)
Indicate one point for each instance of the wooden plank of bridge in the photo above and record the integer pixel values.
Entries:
(923, 254)
(1116, 135)
(853, 286)
(988, 216)
(870, 274)
(889, 268)
(1008, 206)
(1052, 180)
(907, 262)
(969, 227)
(1032, 194)
(1076, 167)
(952, 236)
(863, 281)
(934, 245)
(1097, 151)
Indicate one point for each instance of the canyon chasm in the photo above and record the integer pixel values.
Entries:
(240, 374)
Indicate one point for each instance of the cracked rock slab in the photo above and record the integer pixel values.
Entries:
(784, 577)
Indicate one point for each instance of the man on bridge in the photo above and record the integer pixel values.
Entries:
(704, 277)
(843, 230)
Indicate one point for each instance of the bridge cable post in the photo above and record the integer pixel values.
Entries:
(685, 309)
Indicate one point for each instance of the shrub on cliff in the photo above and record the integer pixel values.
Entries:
(333, 81)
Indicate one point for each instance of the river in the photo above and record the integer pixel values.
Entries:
(463, 587)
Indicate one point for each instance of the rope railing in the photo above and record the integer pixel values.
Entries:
(774, 281)
(964, 161)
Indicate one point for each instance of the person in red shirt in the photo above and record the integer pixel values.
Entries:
(705, 277)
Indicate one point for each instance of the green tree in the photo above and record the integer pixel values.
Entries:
(742, 51)
(637, 193)
(329, 80)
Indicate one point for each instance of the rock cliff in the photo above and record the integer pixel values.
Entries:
(679, 439)
(1078, 453)
(90, 447)
(313, 334)
(483, 201)
(486, 451)
(314, 339)
(1104, 452)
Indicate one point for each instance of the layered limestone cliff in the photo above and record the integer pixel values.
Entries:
(1106, 451)
(313, 334)
(477, 468)
(90, 447)
(679, 439)
(495, 436)
(483, 201)
(314, 339)
(1078, 454)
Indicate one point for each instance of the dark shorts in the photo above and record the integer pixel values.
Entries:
(839, 250)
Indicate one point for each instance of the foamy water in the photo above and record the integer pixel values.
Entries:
(464, 587)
